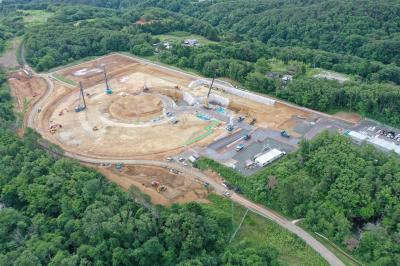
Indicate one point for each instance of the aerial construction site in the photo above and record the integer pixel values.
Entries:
(121, 108)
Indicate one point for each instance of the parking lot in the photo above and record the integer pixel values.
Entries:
(256, 149)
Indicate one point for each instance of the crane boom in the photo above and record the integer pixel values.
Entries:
(108, 89)
(208, 94)
(83, 95)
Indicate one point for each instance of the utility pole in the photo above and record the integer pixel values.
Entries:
(237, 229)
(232, 213)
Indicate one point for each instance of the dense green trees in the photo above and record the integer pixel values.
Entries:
(6, 108)
(60, 213)
(348, 193)
(76, 32)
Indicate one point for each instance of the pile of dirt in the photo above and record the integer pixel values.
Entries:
(25, 89)
(136, 107)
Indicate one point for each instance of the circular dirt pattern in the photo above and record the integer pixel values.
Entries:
(136, 107)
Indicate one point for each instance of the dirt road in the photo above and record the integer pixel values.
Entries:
(9, 58)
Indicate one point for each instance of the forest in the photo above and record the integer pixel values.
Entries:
(348, 193)
(75, 32)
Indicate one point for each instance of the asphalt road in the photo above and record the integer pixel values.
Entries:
(218, 188)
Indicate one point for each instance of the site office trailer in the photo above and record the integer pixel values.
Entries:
(269, 157)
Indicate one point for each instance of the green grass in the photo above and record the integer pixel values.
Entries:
(64, 79)
(35, 17)
(277, 66)
(179, 36)
(259, 231)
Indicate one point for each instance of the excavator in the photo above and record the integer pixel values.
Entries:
(206, 104)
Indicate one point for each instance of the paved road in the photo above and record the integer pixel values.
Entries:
(265, 212)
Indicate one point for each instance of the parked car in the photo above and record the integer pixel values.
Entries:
(240, 147)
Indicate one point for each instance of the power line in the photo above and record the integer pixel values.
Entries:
(237, 229)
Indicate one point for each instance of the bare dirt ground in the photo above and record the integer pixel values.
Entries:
(353, 117)
(118, 66)
(26, 91)
(9, 58)
(136, 107)
(179, 188)
(129, 123)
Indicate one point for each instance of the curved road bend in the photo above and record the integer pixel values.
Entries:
(261, 210)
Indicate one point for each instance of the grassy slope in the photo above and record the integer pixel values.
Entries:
(258, 230)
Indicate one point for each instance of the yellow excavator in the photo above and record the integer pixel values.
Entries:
(206, 104)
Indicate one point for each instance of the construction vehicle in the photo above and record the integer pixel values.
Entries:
(206, 103)
(173, 120)
(246, 136)
(155, 184)
(108, 89)
(161, 188)
(240, 119)
(81, 107)
(53, 128)
(119, 166)
(61, 113)
(285, 134)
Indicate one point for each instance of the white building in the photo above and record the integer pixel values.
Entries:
(384, 144)
(378, 142)
(356, 136)
(269, 157)
(190, 42)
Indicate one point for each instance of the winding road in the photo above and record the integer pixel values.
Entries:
(261, 210)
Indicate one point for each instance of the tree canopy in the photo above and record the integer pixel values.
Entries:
(348, 193)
